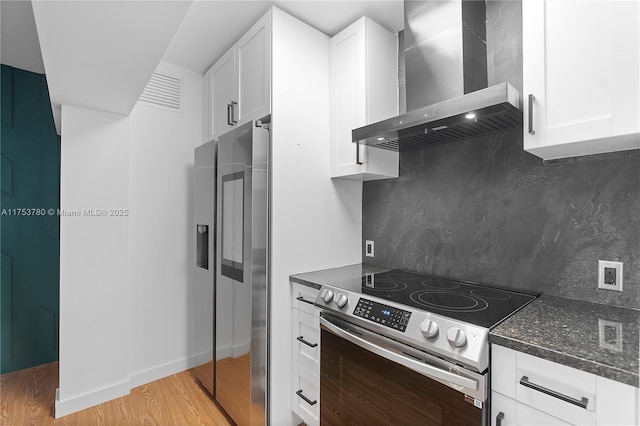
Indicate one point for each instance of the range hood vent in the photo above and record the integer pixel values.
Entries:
(444, 52)
(483, 112)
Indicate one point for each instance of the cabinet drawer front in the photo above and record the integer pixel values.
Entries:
(503, 370)
(526, 415)
(307, 385)
(616, 403)
(543, 384)
(302, 297)
(306, 340)
(503, 410)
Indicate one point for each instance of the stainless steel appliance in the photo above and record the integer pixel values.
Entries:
(443, 52)
(241, 273)
(402, 347)
(204, 184)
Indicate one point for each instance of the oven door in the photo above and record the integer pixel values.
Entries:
(367, 379)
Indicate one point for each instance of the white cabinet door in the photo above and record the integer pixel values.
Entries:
(503, 410)
(238, 85)
(581, 90)
(364, 89)
(305, 394)
(616, 403)
(254, 72)
(222, 93)
(306, 340)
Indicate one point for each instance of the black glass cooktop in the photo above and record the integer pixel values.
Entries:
(474, 303)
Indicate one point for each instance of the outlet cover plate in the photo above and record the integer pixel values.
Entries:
(368, 248)
(602, 264)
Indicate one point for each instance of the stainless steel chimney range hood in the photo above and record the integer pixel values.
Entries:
(446, 70)
(479, 113)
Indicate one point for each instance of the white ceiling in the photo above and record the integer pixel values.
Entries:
(19, 47)
(100, 54)
(211, 27)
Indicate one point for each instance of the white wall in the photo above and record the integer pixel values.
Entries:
(128, 314)
(316, 221)
(93, 259)
(170, 319)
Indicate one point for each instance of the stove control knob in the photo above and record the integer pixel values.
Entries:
(456, 337)
(429, 329)
(327, 295)
(341, 300)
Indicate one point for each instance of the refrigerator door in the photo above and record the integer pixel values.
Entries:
(241, 273)
(203, 276)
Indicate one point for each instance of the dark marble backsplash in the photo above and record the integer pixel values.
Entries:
(485, 210)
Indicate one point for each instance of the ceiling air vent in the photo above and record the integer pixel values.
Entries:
(163, 91)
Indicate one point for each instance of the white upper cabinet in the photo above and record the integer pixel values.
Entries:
(364, 90)
(254, 72)
(581, 77)
(221, 84)
(238, 85)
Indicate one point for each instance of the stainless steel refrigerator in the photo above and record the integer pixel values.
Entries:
(203, 274)
(241, 273)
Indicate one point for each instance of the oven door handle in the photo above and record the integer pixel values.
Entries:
(415, 365)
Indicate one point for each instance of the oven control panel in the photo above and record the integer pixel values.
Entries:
(391, 317)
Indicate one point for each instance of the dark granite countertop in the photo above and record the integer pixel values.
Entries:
(317, 279)
(599, 339)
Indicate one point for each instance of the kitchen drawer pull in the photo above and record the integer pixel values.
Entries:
(499, 418)
(358, 153)
(582, 403)
(301, 339)
(307, 400)
(531, 99)
(302, 299)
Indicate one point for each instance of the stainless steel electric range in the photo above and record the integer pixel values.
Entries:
(403, 347)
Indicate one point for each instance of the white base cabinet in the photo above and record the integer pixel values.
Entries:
(305, 364)
(364, 90)
(581, 84)
(527, 390)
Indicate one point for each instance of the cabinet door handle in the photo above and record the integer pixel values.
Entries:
(307, 400)
(499, 418)
(582, 403)
(302, 299)
(229, 115)
(531, 99)
(358, 153)
(233, 113)
(301, 339)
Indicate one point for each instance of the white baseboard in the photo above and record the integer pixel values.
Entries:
(88, 400)
(162, 371)
(81, 402)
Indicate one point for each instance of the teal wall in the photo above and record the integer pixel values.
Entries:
(30, 245)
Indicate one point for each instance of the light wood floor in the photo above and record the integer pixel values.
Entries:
(27, 398)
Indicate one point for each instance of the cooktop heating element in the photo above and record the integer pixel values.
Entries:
(470, 302)
(448, 317)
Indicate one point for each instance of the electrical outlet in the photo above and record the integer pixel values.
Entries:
(368, 248)
(610, 275)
